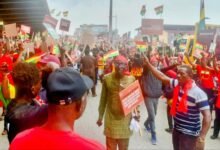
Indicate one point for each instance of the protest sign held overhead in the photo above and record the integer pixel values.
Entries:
(26, 29)
(64, 25)
(11, 30)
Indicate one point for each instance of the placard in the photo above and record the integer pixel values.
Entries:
(29, 47)
(131, 97)
(212, 48)
(26, 29)
(64, 25)
(11, 30)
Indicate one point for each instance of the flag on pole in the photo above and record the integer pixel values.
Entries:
(199, 46)
(143, 10)
(58, 14)
(159, 9)
(202, 25)
(35, 59)
(52, 11)
(65, 13)
(111, 54)
(141, 46)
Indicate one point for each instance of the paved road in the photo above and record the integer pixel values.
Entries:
(86, 126)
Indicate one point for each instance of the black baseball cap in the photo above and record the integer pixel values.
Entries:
(65, 85)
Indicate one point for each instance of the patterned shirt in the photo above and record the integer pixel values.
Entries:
(116, 125)
(189, 123)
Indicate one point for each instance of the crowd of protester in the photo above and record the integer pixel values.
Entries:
(42, 99)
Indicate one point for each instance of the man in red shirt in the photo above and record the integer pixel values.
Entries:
(206, 77)
(67, 95)
(217, 101)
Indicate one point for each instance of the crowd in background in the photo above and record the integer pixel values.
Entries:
(29, 96)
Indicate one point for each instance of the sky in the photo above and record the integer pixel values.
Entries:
(127, 12)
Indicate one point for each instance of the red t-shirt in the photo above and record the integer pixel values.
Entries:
(206, 77)
(42, 139)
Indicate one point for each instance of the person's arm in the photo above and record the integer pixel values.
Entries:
(102, 103)
(159, 75)
(206, 121)
(5, 88)
(168, 68)
(190, 62)
(215, 64)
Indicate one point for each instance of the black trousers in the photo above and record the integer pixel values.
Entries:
(216, 122)
(169, 118)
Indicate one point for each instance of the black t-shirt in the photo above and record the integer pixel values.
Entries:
(25, 115)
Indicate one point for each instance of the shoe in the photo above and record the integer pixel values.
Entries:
(4, 132)
(154, 139)
(169, 130)
(213, 137)
(94, 95)
(148, 129)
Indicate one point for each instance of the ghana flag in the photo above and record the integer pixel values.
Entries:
(34, 59)
(141, 46)
(110, 54)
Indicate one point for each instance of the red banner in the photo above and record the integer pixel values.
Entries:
(131, 97)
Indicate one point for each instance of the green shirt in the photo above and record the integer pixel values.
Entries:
(116, 125)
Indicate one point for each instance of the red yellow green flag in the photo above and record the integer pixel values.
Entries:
(141, 46)
(110, 54)
(35, 59)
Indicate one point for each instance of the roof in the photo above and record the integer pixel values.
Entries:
(26, 12)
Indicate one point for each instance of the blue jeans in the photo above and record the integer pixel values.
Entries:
(151, 105)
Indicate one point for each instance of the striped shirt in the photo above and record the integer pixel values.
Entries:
(189, 123)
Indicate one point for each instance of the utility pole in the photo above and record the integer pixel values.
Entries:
(110, 21)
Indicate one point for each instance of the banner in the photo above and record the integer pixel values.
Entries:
(131, 97)
(152, 27)
(11, 30)
(26, 29)
(51, 21)
(64, 25)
